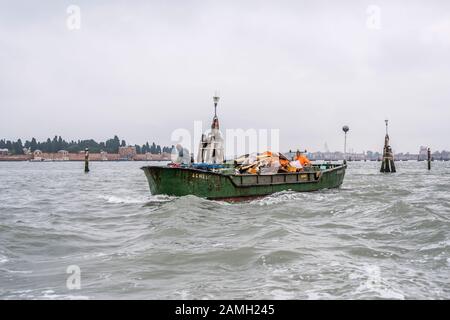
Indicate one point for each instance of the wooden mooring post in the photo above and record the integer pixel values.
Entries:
(86, 160)
(429, 158)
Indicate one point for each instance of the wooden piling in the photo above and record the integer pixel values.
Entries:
(429, 159)
(86, 160)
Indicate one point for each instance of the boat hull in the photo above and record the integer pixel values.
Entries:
(213, 185)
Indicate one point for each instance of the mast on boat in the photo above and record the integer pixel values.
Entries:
(211, 145)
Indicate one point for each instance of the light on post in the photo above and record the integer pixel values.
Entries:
(345, 129)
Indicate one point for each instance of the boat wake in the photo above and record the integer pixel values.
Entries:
(124, 200)
(145, 200)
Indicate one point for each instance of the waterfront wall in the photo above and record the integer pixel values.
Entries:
(80, 157)
(15, 158)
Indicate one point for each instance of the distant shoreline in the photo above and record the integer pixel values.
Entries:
(103, 156)
(21, 160)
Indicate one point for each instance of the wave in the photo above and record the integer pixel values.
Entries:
(3, 259)
(372, 283)
(119, 200)
(277, 198)
(44, 295)
(18, 271)
(113, 199)
(50, 294)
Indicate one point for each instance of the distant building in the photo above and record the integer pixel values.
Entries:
(423, 153)
(104, 155)
(127, 153)
(63, 155)
(4, 152)
(372, 156)
(37, 155)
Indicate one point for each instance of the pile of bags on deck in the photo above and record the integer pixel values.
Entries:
(269, 163)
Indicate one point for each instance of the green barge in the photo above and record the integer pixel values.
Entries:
(250, 176)
(181, 181)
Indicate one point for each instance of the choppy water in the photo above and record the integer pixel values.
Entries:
(379, 236)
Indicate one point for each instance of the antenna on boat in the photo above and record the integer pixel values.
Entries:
(387, 123)
(345, 129)
(216, 101)
(215, 123)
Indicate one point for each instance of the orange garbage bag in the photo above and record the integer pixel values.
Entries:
(304, 161)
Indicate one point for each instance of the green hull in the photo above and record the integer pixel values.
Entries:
(212, 185)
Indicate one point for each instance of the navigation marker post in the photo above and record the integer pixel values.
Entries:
(86, 160)
(387, 163)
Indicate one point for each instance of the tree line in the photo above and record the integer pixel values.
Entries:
(57, 143)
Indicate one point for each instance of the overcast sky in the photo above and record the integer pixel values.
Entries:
(141, 69)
